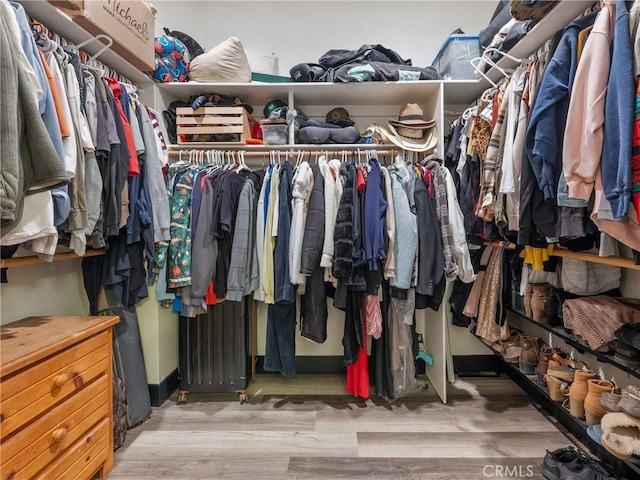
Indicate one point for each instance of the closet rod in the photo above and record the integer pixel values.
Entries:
(289, 149)
(585, 256)
(33, 259)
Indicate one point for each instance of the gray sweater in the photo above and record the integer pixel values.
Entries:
(157, 189)
(28, 159)
(243, 269)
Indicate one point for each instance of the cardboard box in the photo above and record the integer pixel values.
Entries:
(130, 23)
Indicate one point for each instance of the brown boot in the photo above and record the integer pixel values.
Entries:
(578, 391)
(538, 301)
(558, 390)
(592, 408)
(543, 364)
(530, 354)
(528, 293)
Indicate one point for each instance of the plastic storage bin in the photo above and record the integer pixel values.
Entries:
(274, 133)
(453, 59)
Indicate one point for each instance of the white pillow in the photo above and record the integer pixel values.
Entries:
(226, 62)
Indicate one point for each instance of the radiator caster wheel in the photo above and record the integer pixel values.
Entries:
(243, 398)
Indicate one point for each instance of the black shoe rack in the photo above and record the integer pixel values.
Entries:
(578, 344)
(575, 426)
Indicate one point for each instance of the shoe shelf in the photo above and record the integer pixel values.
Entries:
(574, 426)
(578, 344)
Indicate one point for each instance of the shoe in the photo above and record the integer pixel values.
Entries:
(563, 373)
(590, 469)
(561, 359)
(621, 435)
(530, 355)
(568, 457)
(630, 401)
(538, 301)
(592, 408)
(578, 391)
(551, 307)
(558, 390)
(527, 301)
(629, 333)
(627, 355)
(512, 355)
(610, 401)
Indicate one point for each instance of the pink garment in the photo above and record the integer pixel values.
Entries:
(627, 233)
(373, 315)
(584, 136)
(597, 318)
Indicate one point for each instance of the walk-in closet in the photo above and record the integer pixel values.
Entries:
(320, 239)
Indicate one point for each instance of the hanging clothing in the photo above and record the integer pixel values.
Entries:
(301, 190)
(284, 289)
(375, 209)
(313, 310)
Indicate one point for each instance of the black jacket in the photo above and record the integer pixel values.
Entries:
(314, 227)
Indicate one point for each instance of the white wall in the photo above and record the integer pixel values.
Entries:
(301, 31)
(43, 289)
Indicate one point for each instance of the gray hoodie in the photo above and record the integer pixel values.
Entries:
(157, 189)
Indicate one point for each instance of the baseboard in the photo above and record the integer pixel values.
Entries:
(161, 392)
(325, 364)
(475, 365)
(329, 364)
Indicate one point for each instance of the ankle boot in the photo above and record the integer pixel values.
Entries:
(543, 364)
(528, 293)
(538, 301)
(530, 355)
(558, 390)
(592, 408)
(578, 391)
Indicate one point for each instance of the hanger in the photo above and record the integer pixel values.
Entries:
(506, 55)
(475, 62)
(100, 36)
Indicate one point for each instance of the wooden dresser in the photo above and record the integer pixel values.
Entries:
(56, 405)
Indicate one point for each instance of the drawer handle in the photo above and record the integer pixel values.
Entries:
(60, 380)
(59, 434)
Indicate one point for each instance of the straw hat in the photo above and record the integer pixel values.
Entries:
(410, 131)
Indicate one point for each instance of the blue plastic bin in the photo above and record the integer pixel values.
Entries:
(453, 59)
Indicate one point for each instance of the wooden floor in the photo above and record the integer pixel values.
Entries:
(307, 428)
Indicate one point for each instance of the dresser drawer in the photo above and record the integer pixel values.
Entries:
(33, 448)
(31, 392)
(84, 458)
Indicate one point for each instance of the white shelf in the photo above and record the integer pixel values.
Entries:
(255, 93)
(60, 23)
(463, 92)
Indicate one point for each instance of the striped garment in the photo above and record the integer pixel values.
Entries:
(486, 203)
(438, 191)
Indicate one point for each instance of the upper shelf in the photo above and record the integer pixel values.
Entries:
(60, 23)
(257, 93)
(463, 92)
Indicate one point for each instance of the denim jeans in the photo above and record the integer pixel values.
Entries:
(280, 350)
